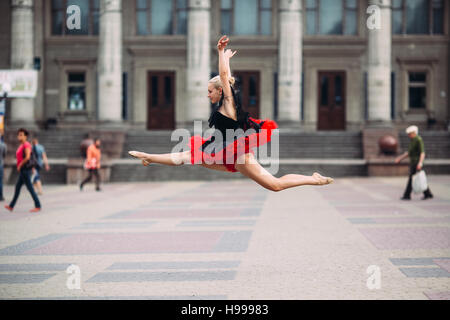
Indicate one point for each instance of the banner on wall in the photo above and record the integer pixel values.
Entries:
(20, 83)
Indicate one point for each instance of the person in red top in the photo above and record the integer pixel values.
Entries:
(23, 155)
(92, 164)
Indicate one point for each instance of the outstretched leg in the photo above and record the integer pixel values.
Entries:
(169, 159)
(172, 159)
(252, 169)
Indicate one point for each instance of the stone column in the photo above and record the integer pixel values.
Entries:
(22, 53)
(110, 62)
(198, 60)
(289, 61)
(379, 65)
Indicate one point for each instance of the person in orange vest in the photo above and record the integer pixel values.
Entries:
(92, 164)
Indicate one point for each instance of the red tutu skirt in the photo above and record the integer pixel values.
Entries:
(229, 154)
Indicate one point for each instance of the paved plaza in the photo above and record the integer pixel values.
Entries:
(233, 239)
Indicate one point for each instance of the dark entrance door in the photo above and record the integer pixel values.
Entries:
(161, 100)
(248, 83)
(331, 113)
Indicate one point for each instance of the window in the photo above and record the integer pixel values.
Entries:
(246, 17)
(417, 90)
(161, 17)
(89, 17)
(76, 91)
(417, 16)
(332, 17)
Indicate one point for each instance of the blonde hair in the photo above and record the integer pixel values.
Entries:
(218, 83)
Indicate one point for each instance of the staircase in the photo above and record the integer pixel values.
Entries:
(335, 154)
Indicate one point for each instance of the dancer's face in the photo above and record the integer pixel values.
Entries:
(214, 93)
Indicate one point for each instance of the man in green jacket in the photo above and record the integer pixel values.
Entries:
(416, 154)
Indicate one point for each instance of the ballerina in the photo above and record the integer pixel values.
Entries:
(228, 115)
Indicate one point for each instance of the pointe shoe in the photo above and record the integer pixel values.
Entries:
(135, 154)
(323, 180)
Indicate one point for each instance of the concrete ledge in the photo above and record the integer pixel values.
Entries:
(75, 172)
(71, 171)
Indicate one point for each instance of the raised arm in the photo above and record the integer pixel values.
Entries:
(225, 75)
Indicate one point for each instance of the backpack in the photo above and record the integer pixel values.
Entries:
(32, 162)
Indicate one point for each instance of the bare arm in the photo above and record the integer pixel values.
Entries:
(44, 157)
(420, 164)
(401, 157)
(224, 73)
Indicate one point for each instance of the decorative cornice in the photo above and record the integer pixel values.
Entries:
(417, 60)
(80, 61)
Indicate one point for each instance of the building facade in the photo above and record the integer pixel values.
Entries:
(309, 64)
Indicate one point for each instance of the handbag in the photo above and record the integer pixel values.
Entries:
(419, 182)
(32, 162)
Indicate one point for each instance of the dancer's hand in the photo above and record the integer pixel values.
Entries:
(222, 43)
(229, 54)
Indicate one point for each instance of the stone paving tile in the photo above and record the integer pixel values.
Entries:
(409, 238)
(401, 220)
(163, 276)
(33, 267)
(131, 243)
(12, 278)
(371, 210)
(174, 265)
(216, 223)
(443, 263)
(414, 261)
(425, 272)
(433, 208)
(179, 213)
(114, 225)
(438, 295)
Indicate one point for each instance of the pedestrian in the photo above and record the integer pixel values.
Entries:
(24, 165)
(416, 154)
(92, 164)
(42, 161)
(3, 150)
